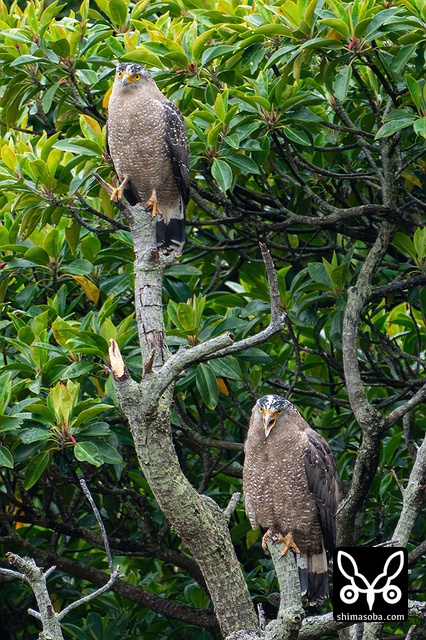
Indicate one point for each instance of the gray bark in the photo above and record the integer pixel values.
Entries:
(368, 417)
(36, 578)
(198, 520)
(290, 612)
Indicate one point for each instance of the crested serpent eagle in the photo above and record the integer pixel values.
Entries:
(291, 489)
(148, 146)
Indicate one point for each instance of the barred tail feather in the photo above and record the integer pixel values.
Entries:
(171, 234)
(313, 576)
(175, 232)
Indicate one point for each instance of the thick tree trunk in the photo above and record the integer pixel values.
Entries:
(197, 519)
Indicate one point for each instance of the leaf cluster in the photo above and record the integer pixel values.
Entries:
(306, 123)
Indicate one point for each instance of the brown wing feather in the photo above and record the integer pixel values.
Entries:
(321, 473)
(178, 147)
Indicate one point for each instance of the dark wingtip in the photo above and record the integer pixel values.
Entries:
(160, 230)
(313, 586)
(175, 231)
(171, 235)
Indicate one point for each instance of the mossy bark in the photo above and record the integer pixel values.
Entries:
(197, 519)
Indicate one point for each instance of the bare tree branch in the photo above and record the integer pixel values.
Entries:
(400, 411)
(413, 498)
(91, 596)
(368, 417)
(95, 509)
(37, 580)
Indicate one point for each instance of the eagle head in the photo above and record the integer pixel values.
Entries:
(129, 73)
(270, 407)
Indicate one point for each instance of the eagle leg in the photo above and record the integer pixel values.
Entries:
(268, 536)
(117, 194)
(153, 203)
(289, 543)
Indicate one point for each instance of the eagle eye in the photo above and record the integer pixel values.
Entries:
(280, 412)
(261, 410)
(137, 76)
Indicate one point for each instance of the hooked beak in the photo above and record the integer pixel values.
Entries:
(125, 80)
(269, 420)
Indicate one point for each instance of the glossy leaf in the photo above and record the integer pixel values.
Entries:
(207, 385)
(35, 469)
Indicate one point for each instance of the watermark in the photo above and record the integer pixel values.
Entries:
(370, 584)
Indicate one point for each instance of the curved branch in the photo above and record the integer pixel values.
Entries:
(400, 411)
(224, 345)
(367, 416)
(413, 498)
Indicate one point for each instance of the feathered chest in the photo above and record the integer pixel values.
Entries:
(135, 117)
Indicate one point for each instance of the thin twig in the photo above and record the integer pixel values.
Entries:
(387, 543)
(262, 617)
(34, 613)
(114, 577)
(400, 411)
(232, 505)
(12, 574)
(100, 523)
(401, 488)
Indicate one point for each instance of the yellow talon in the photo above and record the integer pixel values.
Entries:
(153, 203)
(289, 543)
(117, 194)
(268, 536)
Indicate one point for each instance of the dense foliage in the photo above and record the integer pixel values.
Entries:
(307, 124)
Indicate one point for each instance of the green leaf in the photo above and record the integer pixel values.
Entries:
(6, 458)
(419, 241)
(40, 409)
(108, 453)
(255, 356)
(195, 596)
(338, 25)
(179, 270)
(62, 402)
(199, 42)
(117, 10)
(420, 127)
(227, 367)
(379, 22)
(318, 272)
(415, 91)
(88, 452)
(186, 316)
(90, 247)
(78, 268)
(342, 82)
(52, 243)
(91, 129)
(34, 435)
(9, 157)
(393, 126)
(90, 413)
(299, 137)
(5, 391)
(245, 163)
(222, 173)
(35, 468)
(207, 385)
(220, 106)
(252, 537)
(403, 242)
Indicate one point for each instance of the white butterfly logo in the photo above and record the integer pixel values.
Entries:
(350, 593)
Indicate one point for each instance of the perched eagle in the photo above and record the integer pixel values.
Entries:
(148, 145)
(291, 489)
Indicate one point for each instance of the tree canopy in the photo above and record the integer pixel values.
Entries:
(307, 127)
